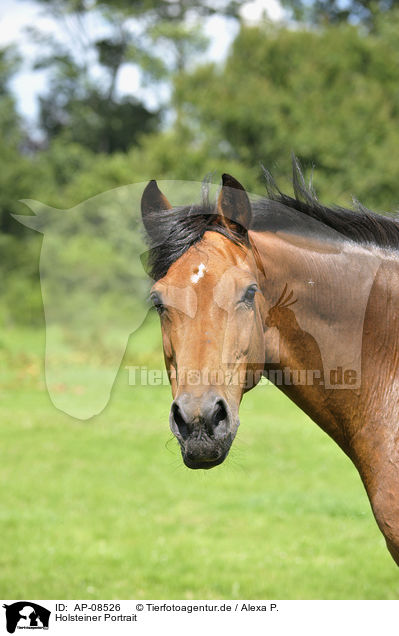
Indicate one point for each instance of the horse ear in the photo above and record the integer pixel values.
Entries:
(234, 206)
(153, 202)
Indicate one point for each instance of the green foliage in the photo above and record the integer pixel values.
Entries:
(20, 296)
(329, 95)
(18, 173)
(76, 109)
(95, 121)
(79, 106)
(336, 11)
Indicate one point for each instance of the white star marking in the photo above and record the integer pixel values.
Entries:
(200, 274)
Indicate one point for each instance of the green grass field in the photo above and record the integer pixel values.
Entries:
(105, 509)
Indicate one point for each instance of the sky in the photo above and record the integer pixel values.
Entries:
(17, 15)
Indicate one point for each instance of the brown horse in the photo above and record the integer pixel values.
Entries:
(287, 288)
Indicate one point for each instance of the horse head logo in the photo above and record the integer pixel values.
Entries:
(94, 293)
(94, 289)
(26, 614)
(279, 314)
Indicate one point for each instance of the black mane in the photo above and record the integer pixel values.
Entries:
(360, 225)
(180, 228)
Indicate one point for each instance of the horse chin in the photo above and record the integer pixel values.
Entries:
(205, 453)
(203, 464)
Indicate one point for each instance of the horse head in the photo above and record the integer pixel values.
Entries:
(206, 292)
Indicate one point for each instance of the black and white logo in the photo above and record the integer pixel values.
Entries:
(26, 615)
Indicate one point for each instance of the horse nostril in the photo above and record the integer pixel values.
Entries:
(219, 414)
(180, 421)
(202, 417)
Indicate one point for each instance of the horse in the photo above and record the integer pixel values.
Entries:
(287, 288)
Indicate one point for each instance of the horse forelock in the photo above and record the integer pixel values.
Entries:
(178, 230)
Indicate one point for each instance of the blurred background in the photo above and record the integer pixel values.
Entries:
(95, 95)
(100, 94)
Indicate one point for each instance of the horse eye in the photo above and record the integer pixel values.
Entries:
(156, 301)
(249, 294)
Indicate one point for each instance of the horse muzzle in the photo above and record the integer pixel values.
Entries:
(204, 427)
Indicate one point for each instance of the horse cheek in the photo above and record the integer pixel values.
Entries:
(244, 338)
(257, 354)
(167, 349)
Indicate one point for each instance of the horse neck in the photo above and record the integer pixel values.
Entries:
(380, 351)
(344, 324)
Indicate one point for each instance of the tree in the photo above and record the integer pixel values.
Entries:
(9, 120)
(365, 12)
(82, 109)
(329, 95)
(93, 120)
(14, 167)
(159, 38)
